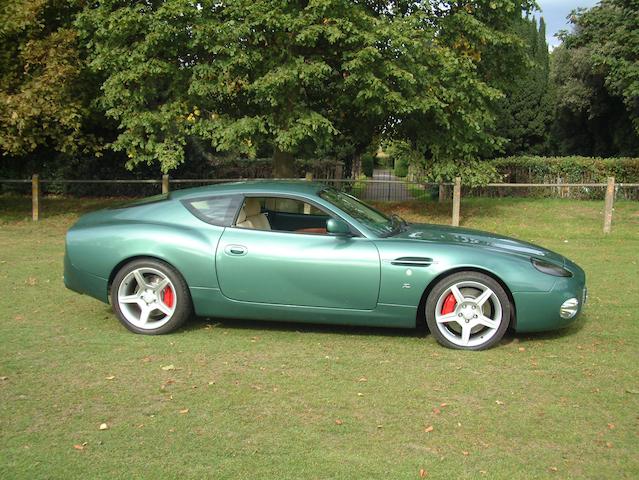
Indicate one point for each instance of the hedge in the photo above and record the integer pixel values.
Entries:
(574, 169)
(567, 169)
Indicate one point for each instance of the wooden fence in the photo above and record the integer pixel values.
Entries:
(166, 182)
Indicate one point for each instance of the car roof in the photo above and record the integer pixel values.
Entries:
(302, 187)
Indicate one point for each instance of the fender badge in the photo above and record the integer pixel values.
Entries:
(406, 285)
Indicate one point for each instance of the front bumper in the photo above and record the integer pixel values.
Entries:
(539, 311)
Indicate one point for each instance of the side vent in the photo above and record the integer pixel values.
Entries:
(413, 262)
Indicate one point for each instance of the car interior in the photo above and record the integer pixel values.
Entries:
(281, 214)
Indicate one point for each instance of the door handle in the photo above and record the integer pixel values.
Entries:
(236, 250)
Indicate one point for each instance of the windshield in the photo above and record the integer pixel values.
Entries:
(371, 218)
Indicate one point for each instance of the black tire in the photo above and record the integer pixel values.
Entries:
(181, 306)
(450, 333)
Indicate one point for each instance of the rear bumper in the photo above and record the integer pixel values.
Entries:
(83, 282)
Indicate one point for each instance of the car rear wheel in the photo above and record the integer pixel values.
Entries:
(150, 297)
(468, 311)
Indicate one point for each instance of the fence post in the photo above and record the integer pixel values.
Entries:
(309, 176)
(610, 199)
(456, 201)
(442, 193)
(165, 183)
(35, 197)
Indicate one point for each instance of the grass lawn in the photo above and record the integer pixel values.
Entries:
(243, 400)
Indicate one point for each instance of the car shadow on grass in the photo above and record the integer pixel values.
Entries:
(420, 331)
(198, 323)
(572, 329)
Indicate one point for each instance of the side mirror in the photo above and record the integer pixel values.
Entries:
(337, 227)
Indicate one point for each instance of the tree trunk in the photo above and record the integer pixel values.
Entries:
(283, 164)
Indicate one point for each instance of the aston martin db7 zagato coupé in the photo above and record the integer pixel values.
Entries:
(305, 252)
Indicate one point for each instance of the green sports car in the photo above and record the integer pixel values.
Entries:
(305, 252)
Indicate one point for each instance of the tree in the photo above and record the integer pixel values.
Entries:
(44, 98)
(595, 75)
(299, 78)
(526, 112)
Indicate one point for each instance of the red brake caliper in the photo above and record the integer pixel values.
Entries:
(167, 297)
(449, 304)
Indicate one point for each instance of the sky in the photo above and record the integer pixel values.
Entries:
(555, 13)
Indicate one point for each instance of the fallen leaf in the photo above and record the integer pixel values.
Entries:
(443, 404)
(211, 383)
(429, 428)
(611, 426)
(110, 377)
(609, 444)
(363, 379)
(146, 359)
(4, 378)
(103, 426)
(32, 281)
(465, 453)
(436, 411)
(338, 422)
(168, 367)
(185, 410)
(19, 318)
(360, 394)
(553, 469)
(522, 349)
(422, 473)
(630, 390)
(499, 402)
(78, 447)
(380, 426)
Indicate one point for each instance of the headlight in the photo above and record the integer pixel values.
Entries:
(550, 268)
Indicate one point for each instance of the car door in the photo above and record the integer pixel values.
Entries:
(289, 268)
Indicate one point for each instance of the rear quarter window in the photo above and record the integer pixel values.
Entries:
(219, 210)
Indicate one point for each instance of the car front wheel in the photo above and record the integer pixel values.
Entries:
(150, 297)
(468, 311)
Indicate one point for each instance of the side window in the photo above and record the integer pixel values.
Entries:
(290, 205)
(282, 214)
(219, 210)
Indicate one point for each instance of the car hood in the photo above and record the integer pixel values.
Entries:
(476, 238)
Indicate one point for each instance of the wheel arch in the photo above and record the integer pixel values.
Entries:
(133, 258)
(421, 313)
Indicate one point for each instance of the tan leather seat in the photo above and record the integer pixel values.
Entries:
(251, 217)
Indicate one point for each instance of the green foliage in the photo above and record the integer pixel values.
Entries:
(44, 93)
(401, 156)
(401, 167)
(525, 114)
(595, 75)
(474, 173)
(303, 78)
(368, 164)
(531, 169)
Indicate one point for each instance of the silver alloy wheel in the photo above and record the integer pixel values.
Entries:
(475, 317)
(147, 298)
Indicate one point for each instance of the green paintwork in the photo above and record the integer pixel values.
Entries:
(360, 279)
